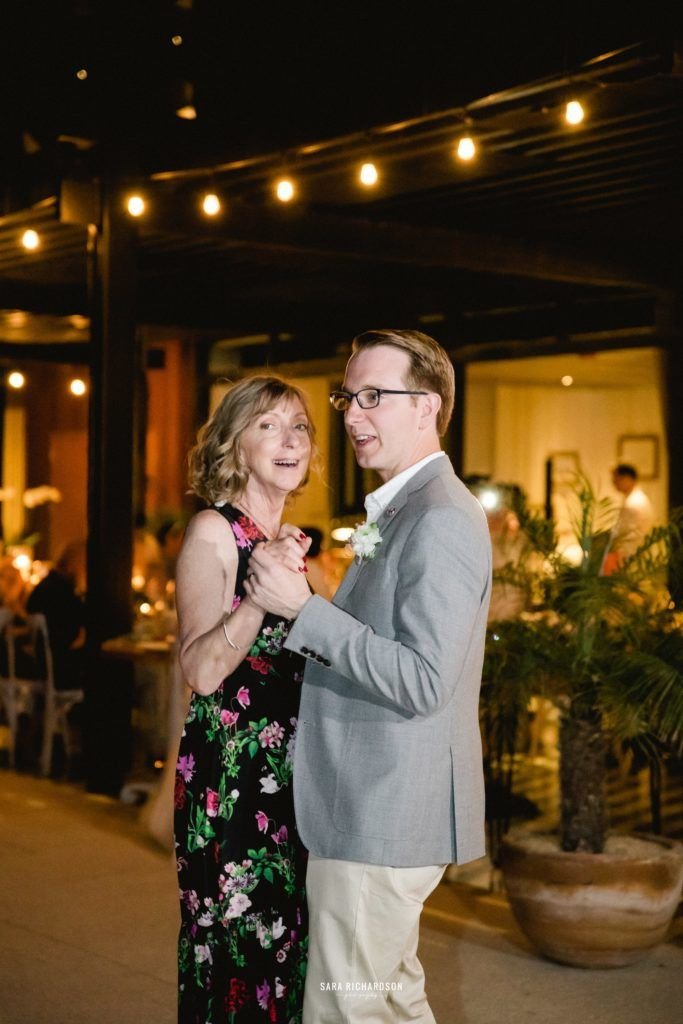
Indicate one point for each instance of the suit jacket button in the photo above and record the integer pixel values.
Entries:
(305, 650)
(326, 663)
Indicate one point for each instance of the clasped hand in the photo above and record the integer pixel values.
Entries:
(276, 578)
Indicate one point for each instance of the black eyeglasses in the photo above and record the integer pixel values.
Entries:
(367, 398)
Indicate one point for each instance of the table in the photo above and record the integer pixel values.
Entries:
(156, 815)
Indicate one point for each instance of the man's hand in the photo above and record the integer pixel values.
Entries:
(274, 587)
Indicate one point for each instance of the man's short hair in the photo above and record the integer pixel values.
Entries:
(626, 469)
(430, 366)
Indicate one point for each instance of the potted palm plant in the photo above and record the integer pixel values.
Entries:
(608, 651)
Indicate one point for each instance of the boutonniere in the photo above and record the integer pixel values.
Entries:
(364, 540)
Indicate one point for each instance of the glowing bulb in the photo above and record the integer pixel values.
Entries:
(78, 386)
(30, 239)
(22, 563)
(16, 380)
(284, 190)
(138, 581)
(211, 204)
(567, 380)
(145, 608)
(188, 112)
(177, 40)
(368, 174)
(574, 112)
(136, 206)
(342, 533)
(489, 500)
(81, 74)
(466, 148)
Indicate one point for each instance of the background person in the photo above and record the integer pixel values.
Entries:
(634, 522)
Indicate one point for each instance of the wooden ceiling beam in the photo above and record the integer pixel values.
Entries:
(283, 231)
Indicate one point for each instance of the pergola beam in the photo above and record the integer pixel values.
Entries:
(290, 232)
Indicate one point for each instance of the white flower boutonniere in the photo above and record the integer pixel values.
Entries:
(364, 540)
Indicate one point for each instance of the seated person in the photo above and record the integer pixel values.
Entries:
(57, 597)
(13, 589)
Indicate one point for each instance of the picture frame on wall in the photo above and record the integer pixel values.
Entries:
(640, 451)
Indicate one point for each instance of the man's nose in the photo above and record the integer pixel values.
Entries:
(354, 412)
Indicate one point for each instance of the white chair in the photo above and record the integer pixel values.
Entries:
(19, 692)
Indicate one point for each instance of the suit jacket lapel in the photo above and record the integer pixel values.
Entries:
(389, 515)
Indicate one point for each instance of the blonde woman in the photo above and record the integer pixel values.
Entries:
(243, 936)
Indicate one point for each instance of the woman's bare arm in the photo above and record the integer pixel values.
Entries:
(205, 587)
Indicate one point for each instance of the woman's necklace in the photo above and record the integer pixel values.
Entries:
(267, 533)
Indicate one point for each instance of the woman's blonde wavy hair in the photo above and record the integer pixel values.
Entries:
(217, 471)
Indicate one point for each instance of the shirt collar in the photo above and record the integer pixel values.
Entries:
(376, 501)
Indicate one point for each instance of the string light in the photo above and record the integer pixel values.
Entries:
(211, 204)
(78, 387)
(30, 239)
(81, 74)
(135, 206)
(466, 148)
(574, 112)
(567, 380)
(177, 40)
(16, 380)
(285, 190)
(368, 175)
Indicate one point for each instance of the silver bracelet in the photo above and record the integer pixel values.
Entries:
(232, 643)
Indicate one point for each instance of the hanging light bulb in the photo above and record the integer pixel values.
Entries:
(466, 148)
(574, 112)
(82, 74)
(78, 387)
(135, 205)
(368, 175)
(16, 380)
(30, 239)
(211, 204)
(285, 190)
(186, 109)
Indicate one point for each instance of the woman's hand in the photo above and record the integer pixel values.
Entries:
(289, 547)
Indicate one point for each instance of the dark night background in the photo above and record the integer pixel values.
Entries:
(267, 74)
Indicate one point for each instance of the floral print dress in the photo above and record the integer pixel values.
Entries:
(241, 865)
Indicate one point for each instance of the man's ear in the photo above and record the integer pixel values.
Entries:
(431, 403)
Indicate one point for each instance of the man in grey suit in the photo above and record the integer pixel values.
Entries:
(388, 780)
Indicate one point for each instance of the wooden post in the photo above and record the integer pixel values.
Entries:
(456, 430)
(111, 288)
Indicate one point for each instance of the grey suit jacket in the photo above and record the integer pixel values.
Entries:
(387, 761)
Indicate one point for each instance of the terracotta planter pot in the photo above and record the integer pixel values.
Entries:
(593, 909)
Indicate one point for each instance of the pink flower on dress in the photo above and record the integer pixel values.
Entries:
(263, 994)
(186, 766)
(280, 836)
(236, 602)
(240, 536)
(261, 821)
(229, 717)
(242, 697)
(271, 735)
(212, 803)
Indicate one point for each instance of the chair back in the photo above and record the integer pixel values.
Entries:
(35, 643)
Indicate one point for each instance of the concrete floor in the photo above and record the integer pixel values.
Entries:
(88, 925)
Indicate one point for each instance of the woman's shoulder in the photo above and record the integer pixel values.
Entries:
(209, 526)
